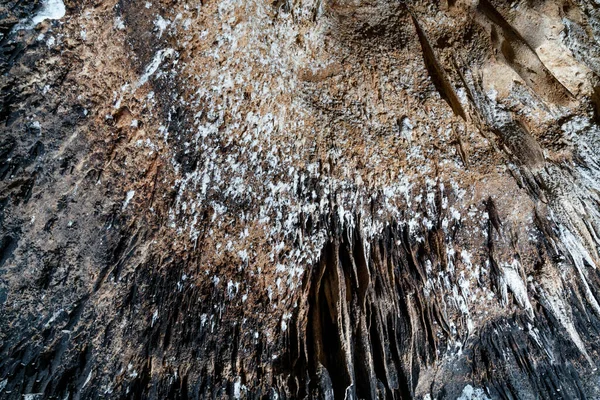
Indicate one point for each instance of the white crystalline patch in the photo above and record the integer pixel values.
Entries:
(128, 198)
(466, 258)
(161, 24)
(32, 396)
(119, 24)
(513, 280)
(87, 380)
(575, 126)
(492, 94)
(462, 95)
(51, 9)
(576, 249)
(237, 388)
(455, 214)
(53, 318)
(406, 129)
(284, 320)
(470, 393)
(153, 66)
(232, 289)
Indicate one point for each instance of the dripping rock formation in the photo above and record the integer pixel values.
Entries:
(300, 199)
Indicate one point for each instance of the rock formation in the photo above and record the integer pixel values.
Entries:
(333, 199)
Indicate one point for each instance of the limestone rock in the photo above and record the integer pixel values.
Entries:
(300, 199)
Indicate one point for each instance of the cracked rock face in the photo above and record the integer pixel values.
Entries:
(300, 199)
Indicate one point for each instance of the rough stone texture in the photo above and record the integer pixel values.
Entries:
(300, 199)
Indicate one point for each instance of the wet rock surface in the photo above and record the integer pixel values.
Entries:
(299, 199)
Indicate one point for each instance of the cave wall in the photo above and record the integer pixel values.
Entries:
(299, 199)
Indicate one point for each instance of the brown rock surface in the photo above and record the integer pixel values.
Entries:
(300, 199)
